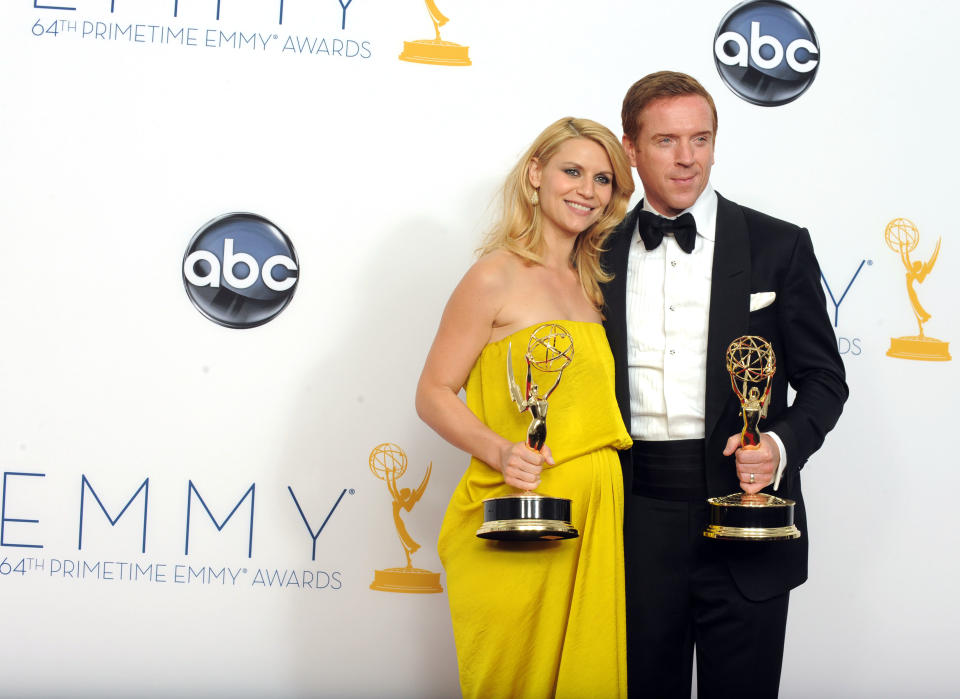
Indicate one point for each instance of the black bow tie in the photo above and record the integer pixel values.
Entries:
(652, 228)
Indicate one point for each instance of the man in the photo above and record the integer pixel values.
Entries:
(670, 316)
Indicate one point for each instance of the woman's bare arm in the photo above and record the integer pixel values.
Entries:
(465, 329)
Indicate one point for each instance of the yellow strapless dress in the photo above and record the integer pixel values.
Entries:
(543, 619)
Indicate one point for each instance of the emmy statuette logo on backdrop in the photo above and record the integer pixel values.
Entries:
(388, 462)
(435, 51)
(902, 236)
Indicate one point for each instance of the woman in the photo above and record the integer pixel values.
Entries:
(537, 619)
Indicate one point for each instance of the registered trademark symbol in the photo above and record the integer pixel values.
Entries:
(244, 571)
(869, 262)
(352, 491)
(275, 36)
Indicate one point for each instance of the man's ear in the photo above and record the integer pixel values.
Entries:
(630, 149)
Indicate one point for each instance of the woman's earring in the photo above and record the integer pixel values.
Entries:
(535, 198)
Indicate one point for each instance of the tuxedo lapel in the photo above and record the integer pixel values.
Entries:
(618, 250)
(729, 304)
(615, 304)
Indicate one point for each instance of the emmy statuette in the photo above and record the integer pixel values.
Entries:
(530, 516)
(741, 516)
(435, 51)
(902, 236)
(388, 462)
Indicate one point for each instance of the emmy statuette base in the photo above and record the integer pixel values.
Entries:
(759, 517)
(925, 349)
(528, 517)
(413, 580)
(433, 52)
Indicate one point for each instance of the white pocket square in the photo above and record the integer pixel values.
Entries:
(761, 299)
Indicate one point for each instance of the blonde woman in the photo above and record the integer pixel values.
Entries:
(537, 619)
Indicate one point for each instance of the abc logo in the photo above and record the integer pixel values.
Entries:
(766, 52)
(240, 270)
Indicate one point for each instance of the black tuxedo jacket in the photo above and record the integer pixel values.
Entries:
(753, 253)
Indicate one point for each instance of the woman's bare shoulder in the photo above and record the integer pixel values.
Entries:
(494, 273)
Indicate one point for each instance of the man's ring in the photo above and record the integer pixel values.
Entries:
(753, 478)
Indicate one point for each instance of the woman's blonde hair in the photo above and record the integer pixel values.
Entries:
(520, 228)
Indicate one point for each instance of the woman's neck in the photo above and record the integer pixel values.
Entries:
(557, 250)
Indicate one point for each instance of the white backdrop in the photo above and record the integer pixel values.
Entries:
(116, 151)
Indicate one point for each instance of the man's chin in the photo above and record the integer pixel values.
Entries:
(676, 207)
(673, 205)
(682, 203)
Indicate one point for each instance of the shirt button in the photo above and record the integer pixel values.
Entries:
(673, 263)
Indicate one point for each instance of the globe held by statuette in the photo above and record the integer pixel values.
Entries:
(387, 460)
(550, 348)
(901, 233)
(751, 358)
